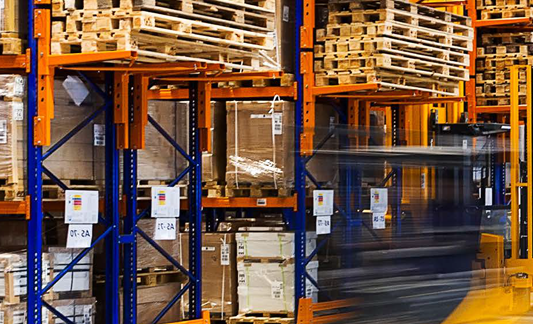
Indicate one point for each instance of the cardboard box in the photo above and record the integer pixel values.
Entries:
(152, 299)
(78, 281)
(79, 310)
(272, 245)
(269, 287)
(17, 314)
(260, 147)
(147, 255)
(219, 273)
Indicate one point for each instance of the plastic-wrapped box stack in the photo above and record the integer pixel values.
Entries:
(12, 92)
(265, 265)
(260, 148)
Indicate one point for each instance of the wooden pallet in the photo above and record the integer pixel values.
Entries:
(10, 43)
(286, 80)
(360, 45)
(159, 275)
(257, 318)
(387, 80)
(507, 12)
(499, 89)
(257, 191)
(213, 189)
(494, 4)
(498, 101)
(507, 38)
(144, 188)
(404, 17)
(51, 191)
(402, 5)
(494, 61)
(498, 76)
(401, 64)
(524, 49)
(398, 30)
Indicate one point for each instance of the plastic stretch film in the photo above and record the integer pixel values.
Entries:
(12, 93)
(269, 287)
(270, 245)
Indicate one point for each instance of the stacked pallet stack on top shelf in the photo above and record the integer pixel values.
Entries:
(396, 43)
(10, 23)
(234, 32)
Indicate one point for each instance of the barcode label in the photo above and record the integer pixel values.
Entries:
(99, 135)
(286, 13)
(3, 131)
(242, 278)
(1, 317)
(224, 254)
(18, 110)
(278, 124)
(277, 289)
(240, 249)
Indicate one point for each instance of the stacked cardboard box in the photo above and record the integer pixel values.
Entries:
(265, 265)
(17, 314)
(260, 147)
(76, 283)
(78, 310)
(12, 92)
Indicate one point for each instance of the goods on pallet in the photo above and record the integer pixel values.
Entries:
(260, 148)
(498, 9)
(12, 28)
(240, 34)
(270, 245)
(396, 43)
(17, 314)
(497, 53)
(269, 287)
(79, 310)
(152, 299)
(147, 255)
(13, 280)
(11, 114)
(219, 273)
(76, 283)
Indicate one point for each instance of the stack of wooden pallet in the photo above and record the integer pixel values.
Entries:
(10, 26)
(497, 53)
(503, 9)
(396, 43)
(234, 32)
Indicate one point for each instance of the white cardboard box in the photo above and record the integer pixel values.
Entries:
(269, 287)
(79, 278)
(271, 244)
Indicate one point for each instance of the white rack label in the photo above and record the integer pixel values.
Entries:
(1, 317)
(165, 202)
(261, 202)
(286, 13)
(224, 255)
(378, 221)
(241, 249)
(3, 131)
(99, 135)
(165, 229)
(276, 289)
(488, 196)
(278, 123)
(323, 225)
(81, 207)
(242, 278)
(79, 236)
(18, 110)
(378, 200)
(322, 202)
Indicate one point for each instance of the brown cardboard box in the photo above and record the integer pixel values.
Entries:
(152, 299)
(79, 310)
(286, 32)
(147, 255)
(219, 281)
(253, 156)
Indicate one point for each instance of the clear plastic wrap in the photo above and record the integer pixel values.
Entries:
(260, 139)
(268, 245)
(269, 287)
(79, 310)
(13, 266)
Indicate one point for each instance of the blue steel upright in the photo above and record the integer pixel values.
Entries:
(35, 185)
(298, 223)
(112, 218)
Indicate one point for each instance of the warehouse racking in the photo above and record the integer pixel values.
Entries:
(40, 65)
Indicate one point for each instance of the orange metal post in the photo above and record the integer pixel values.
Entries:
(204, 115)
(121, 102)
(45, 79)
(140, 112)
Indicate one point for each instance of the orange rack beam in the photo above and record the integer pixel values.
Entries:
(227, 93)
(16, 207)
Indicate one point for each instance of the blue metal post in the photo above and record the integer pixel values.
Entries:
(111, 209)
(35, 185)
(130, 228)
(298, 223)
(195, 207)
